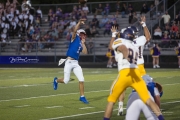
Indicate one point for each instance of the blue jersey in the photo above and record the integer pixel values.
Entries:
(75, 48)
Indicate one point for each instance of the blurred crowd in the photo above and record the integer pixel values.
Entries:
(168, 32)
(26, 24)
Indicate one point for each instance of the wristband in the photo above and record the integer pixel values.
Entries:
(114, 34)
(143, 24)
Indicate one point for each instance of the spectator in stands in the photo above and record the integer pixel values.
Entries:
(83, 15)
(157, 33)
(144, 9)
(177, 50)
(155, 52)
(88, 31)
(134, 19)
(94, 31)
(107, 28)
(130, 17)
(54, 33)
(50, 14)
(112, 19)
(37, 21)
(41, 44)
(79, 9)
(174, 30)
(68, 37)
(59, 13)
(99, 9)
(124, 11)
(94, 22)
(103, 21)
(39, 14)
(66, 22)
(165, 40)
(152, 11)
(90, 46)
(167, 29)
(72, 23)
(52, 19)
(49, 41)
(85, 9)
(130, 8)
(166, 18)
(106, 10)
(177, 20)
(116, 25)
(75, 9)
(117, 8)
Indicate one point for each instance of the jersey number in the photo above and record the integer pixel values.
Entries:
(132, 56)
(79, 49)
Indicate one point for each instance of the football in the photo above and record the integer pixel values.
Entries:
(82, 1)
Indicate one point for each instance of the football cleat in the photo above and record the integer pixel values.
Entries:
(55, 84)
(120, 111)
(83, 99)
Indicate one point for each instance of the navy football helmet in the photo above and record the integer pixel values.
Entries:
(135, 29)
(127, 34)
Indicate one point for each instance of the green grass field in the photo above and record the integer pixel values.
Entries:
(27, 94)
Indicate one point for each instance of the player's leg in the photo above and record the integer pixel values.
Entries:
(116, 90)
(120, 103)
(157, 62)
(133, 107)
(149, 115)
(79, 74)
(154, 62)
(140, 86)
(67, 72)
(142, 69)
(109, 63)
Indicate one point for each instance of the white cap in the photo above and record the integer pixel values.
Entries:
(80, 31)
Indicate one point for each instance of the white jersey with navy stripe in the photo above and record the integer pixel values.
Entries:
(139, 43)
(133, 54)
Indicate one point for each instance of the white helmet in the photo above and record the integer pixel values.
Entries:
(80, 31)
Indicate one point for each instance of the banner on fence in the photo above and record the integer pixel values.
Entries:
(22, 59)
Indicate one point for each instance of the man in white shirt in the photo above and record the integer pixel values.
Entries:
(166, 18)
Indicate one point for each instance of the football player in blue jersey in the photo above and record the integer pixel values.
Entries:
(135, 105)
(76, 46)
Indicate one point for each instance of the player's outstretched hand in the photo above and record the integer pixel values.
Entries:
(114, 31)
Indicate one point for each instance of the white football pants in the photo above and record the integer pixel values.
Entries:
(134, 107)
(72, 65)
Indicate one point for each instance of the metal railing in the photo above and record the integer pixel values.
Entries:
(154, 15)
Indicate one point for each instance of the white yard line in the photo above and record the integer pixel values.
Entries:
(54, 107)
(22, 106)
(86, 108)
